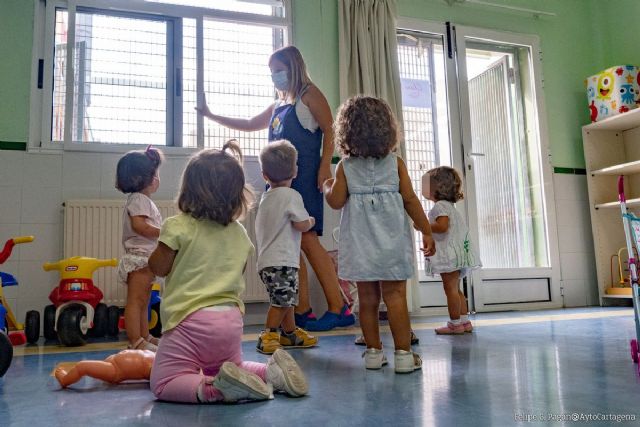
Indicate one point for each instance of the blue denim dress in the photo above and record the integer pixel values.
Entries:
(286, 125)
(375, 231)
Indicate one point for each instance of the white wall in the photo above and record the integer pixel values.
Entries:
(577, 258)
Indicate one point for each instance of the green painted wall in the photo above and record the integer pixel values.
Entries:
(16, 37)
(571, 51)
(578, 42)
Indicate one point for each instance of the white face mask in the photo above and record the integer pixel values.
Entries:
(280, 80)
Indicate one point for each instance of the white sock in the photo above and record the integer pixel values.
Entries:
(464, 318)
(456, 321)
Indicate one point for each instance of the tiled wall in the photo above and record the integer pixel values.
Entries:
(33, 187)
(575, 240)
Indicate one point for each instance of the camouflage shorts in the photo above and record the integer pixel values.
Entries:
(282, 285)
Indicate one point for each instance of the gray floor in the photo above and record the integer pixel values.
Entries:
(497, 376)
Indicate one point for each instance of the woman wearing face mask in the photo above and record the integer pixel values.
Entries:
(302, 116)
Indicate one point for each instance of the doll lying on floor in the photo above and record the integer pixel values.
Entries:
(126, 365)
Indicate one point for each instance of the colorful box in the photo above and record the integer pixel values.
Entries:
(613, 91)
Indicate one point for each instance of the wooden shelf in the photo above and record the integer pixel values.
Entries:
(621, 122)
(621, 169)
(616, 204)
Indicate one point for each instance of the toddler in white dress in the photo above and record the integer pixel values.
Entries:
(455, 254)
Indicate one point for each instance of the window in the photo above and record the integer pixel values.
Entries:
(135, 73)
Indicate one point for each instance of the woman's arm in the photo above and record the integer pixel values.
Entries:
(140, 225)
(319, 108)
(335, 190)
(161, 260)
(259, 122)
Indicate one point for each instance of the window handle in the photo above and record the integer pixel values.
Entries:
(476, 154)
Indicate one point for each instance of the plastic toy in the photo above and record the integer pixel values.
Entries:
(76, 308)
(11, 332)
(631, 225)
(123, 366)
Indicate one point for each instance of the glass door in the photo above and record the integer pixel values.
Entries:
(430, 123)
(508, 185)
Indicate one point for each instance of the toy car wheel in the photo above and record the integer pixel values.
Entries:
(49, 323)
(32, 326)
(634, 351)
(155, 324)
(6, 353)
(113, 317)
(70, 325)
(100, 321)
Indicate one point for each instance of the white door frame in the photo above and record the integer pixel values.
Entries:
(552, 272)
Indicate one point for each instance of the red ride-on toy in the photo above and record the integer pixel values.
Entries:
(77, 310)
(11, 332)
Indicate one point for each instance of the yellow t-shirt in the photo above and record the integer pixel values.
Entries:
(208, 268)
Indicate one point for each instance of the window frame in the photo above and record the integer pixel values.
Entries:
(43, 59)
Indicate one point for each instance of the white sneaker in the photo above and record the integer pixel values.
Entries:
(374, 358)
(285, 375)
(406, 361)
(236, 384)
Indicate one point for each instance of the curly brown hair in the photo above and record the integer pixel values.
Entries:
(213, 185)
(446, 183)
(136, 169)
(365, 127)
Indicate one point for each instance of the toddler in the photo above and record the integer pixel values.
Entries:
(203, 252)
(455, 255)
(280, 222)
(373, 188)
(137, 176)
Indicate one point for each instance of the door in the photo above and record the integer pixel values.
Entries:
(508, 185)
(472, 100)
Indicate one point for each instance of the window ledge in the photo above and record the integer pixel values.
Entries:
(52, 148)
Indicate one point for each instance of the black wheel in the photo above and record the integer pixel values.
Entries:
(113, 318)
(6, 353)
(155, 324)
(49, 323)
(32, 326)
(100, 321)
(70, 326)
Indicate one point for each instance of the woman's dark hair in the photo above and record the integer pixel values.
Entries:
(365, 127)
(213, 185)
(136, 169)
(446, 183)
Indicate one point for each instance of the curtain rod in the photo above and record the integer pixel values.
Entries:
(502, 6)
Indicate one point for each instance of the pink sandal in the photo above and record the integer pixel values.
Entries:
(450, 329)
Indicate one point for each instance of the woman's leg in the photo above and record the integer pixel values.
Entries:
(304, 303)
(325, 271)
(135, 311)
(451, 284)
(394, 294)
(369, 300)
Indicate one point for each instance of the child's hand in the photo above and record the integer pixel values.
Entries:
(429, 248)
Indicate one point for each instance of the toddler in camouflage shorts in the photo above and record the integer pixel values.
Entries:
(280, 222)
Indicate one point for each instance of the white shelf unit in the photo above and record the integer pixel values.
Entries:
(611, 148)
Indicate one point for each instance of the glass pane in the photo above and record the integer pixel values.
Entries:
(237, 80)
(507, 165)
(120, 79)
(259, 7)
(424, 109)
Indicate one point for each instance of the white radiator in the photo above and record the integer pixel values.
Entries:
(93, 228)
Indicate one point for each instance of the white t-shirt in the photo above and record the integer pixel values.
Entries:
(139, 205)
(305, 117)
(278, 242)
